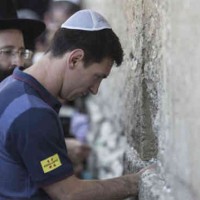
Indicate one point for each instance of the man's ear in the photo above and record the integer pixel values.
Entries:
(76, 56)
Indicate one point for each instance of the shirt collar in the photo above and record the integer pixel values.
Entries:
(41, 90)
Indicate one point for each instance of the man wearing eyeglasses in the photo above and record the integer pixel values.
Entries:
(14, 33)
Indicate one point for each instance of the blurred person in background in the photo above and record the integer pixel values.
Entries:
(38, 6)
(57, 12)
(15, 36)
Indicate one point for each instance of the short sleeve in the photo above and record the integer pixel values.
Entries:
(39, 143)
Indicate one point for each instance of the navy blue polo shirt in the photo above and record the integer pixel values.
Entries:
(32, 147)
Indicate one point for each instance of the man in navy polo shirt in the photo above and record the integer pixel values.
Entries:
(33, 155)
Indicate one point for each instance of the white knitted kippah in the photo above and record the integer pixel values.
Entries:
(87, 20)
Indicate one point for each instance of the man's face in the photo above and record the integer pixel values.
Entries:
(86, 80)
(11, 46)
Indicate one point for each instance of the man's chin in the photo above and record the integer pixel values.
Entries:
(72, 98)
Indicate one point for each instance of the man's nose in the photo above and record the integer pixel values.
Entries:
(17, 60)
(94, 89)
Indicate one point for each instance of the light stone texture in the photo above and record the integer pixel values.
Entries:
(148, 109)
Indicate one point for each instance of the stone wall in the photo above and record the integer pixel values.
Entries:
(147, 110)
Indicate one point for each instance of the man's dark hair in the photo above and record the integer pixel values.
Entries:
(96, 45)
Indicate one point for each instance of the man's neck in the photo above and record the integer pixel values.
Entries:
(45, 72)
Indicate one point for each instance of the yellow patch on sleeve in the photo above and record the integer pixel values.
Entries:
(50, 163)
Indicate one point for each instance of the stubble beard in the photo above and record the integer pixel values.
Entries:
(5, 73)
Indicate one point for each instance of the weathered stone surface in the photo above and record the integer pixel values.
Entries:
(148, 109)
